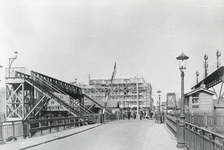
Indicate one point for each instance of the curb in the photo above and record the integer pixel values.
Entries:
(58, 138)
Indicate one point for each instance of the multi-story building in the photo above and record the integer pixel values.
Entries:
(125, 92)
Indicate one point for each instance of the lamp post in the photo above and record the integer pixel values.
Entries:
(137, 97)
(11, 60)
(181, 134)
(159, 113)
(0, 67)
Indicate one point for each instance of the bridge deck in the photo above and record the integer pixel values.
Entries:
(212, 79)
(122, 134)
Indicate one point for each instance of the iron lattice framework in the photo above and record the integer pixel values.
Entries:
(212, 77)
(28, 95)
(124, 92)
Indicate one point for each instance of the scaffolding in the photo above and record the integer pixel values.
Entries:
(124, 92)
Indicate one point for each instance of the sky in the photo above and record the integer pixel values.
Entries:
(68, 39)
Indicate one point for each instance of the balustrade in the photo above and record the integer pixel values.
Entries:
(196, 137)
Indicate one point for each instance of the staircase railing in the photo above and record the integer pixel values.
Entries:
(58, 90)
(51, 90)
(51, 95)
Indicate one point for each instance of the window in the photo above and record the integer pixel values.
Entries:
(195, 102)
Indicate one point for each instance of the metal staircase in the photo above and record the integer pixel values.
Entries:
(34, 92)
(55, 89)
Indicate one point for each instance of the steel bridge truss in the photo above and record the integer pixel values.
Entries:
(28, 94)
(214, 78)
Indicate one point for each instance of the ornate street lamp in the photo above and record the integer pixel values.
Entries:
(0, 67)
(11, 60)
(181, 134)
(159, 113)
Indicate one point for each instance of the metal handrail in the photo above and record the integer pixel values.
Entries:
(211, 69)
(14, 70)
(197, 138)
(61, 91)
(27, 74)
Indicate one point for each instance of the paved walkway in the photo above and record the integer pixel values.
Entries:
(158, 137)
(32, 142)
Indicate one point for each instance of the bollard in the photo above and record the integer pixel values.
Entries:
(1, 135)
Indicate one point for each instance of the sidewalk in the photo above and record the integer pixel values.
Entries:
(159, 137)
(32, 142)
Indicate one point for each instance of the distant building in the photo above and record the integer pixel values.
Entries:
(123, 92)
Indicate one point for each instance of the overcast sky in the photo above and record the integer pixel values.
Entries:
(68, 39)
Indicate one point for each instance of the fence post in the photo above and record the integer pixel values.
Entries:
(223, 144)
(194, 138)
(24, 129)
(1, 134)
(201, 139)
(211, 141)
(13, 129)
(64, 122)
(40, 125)
(177, 128)
(58, 128)
(206, 120)
(28, 129)
(49, 124)
(214, 119)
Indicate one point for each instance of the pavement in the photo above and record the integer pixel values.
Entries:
(22, 144)
(158, 137)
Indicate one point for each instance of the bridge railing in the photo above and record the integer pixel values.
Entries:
(198, 138)
(209, 120)
(44, 126)
(209, 71)
(172, 123)
(11, 129)
(11, 73)
(29, 128)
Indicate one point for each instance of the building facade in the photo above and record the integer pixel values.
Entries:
(125, 92)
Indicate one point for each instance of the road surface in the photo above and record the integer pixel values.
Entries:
(117, 135)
